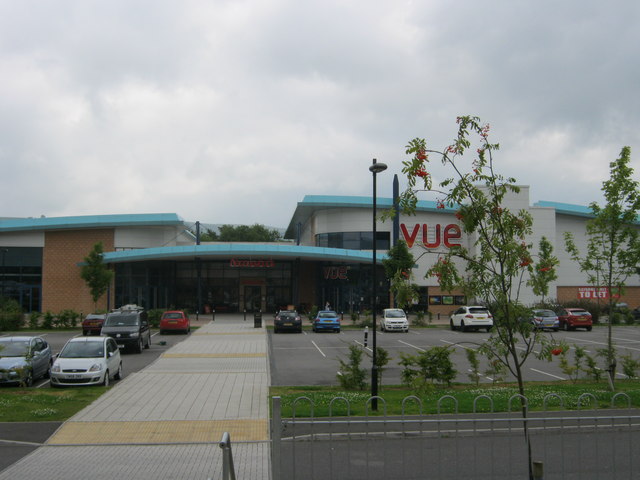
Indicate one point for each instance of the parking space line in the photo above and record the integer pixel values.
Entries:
(412, 346)
(602, 343)
(362, 345)
(545, 373)
(321, 352)
(457, 345)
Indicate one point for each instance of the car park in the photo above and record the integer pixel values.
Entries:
(394, 320)
(471, 318)
(87, 361)
(326, 320)
(24, 359)
(129, 327)
(545, 319)
(175, 321)
(92, 323)
(287, 320)
(572, 318)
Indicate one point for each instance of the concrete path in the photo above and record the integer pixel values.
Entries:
(165, 421)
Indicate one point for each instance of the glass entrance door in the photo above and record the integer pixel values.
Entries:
(252, 297)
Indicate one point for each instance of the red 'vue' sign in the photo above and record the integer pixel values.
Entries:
(335, 273)
(450, 235)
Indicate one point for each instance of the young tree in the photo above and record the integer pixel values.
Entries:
(612, 243)
(96, 274)
(544, 271)
(499, 257)
(398, 268)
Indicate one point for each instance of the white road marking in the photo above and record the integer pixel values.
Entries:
(457, 345)
(321, 352)
(362, 345)
(412, 346)
(602, 343)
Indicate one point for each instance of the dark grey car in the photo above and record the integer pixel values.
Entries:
(129, 327)
(24, 359)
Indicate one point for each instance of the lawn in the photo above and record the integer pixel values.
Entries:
(559, 395)
(40, 405)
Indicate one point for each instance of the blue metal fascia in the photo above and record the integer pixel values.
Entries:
(242, 249)
(90, 221)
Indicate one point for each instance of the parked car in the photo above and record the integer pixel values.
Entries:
(394, 319)
(175, 320)
(572, 318)
(287, 320)
(326, 320)
(543, 318)
(129, 327)
(23, 359)
(87, 361)
(92, 324)
(471, 318)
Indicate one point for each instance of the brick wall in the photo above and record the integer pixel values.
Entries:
(631, 296)
(62, 286)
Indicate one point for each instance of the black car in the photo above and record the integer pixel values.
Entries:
(129, 327)
(287, 320)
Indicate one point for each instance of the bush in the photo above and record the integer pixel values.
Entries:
(154, 316)
(366, 320)
(351, 376)
(47, 322)
(313, 312)
(34, 318)
(10, 314)
(419, 320)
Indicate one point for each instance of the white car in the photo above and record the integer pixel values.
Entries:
(394, 319)
(471, 318)
(87, 361)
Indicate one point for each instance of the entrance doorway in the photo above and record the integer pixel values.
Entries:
(252, 297)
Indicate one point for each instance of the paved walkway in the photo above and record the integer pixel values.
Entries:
(164, 422)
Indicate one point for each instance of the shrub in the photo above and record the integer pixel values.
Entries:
(34, 318)
(419, 320)
(313, 312)
(154, 316)
(366, 320)
(47, 321)
(10, 314)
(351, 376)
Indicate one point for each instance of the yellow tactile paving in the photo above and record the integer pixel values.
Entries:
(213, 355)
(99, 433)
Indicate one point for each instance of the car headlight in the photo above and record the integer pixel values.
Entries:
(96, 367)
(135, 335)
(55, 368)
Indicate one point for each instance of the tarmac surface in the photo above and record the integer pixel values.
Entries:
(165, 421)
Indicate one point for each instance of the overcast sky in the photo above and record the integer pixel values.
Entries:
(232, 111)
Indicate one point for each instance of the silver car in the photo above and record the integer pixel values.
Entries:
(23, 359)
(545, 319)
(87, 361)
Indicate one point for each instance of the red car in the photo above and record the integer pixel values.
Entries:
(175, 320)
(92, 324)
(572, 318)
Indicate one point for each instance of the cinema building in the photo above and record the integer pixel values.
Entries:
(327, 257)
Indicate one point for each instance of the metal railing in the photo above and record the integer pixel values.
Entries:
(228, 470)
(580, 444)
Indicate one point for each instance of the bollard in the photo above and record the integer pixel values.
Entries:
(245, 314)
(538, 470)
(366, 334)
(213, 315)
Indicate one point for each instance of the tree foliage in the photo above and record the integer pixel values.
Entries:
(544, 271)
(242, 233)
(398, 267)
(96, 273)
(612, 250)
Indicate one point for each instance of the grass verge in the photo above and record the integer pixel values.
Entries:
(44, 405)
(566, 396)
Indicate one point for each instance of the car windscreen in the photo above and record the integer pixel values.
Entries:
(544, 313)
(288, 315)
(172, 315)
(327, 315)
(82, 350)
(121, 321)
(14, 349)
(579, 313)
(394, 314)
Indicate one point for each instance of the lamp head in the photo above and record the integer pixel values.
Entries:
(377, 167)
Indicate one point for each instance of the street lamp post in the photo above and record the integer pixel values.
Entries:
(375, 168)
(3, 251)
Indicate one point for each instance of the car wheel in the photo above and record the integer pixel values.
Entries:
(337, 330)
(118, 375)
(556, 329)
(105, 382)
(452, 325)
(47, 373)
(162, 332)
(565, 325)
(275, 329)
(148, 345)
(85, 332)
(588, 329)
(28, 380)
(462, 327)
(139, 346)
(488, 329)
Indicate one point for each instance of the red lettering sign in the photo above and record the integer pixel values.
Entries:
(452, 234)
(335, 273)
(237, 262)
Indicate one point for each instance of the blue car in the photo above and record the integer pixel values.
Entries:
(326, 320)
